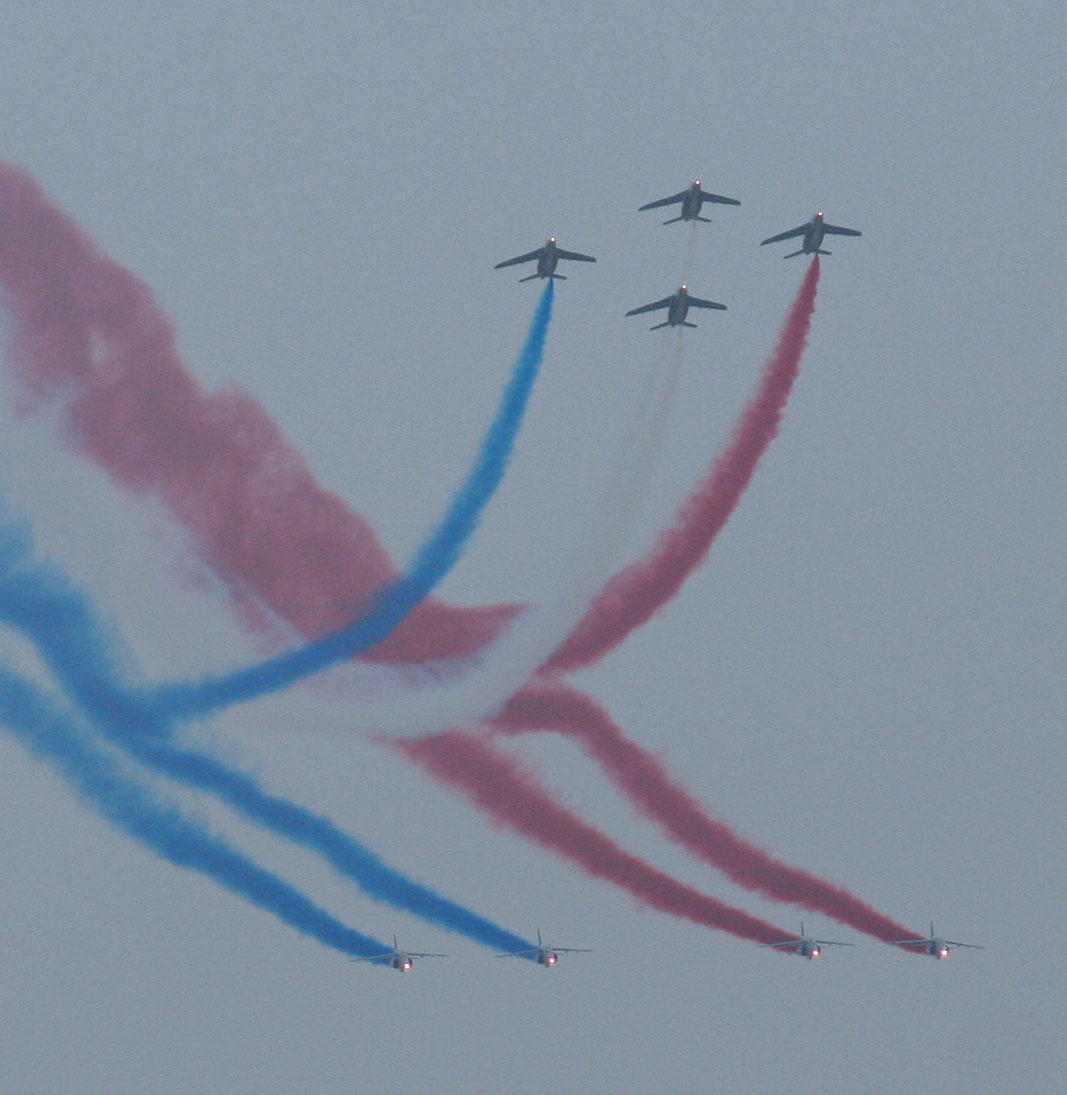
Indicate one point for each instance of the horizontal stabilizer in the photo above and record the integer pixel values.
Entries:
(793, 254)
(530, 278)
(659, 325)
(820, 251)
(674, 220)
(706, 220)
(685, 323)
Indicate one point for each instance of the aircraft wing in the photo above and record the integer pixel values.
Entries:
(571, 950)
(519, 954)
(696, 302)
(424, 954)
(574, 255)
(718, 198)
(663, 201)
(908, 942)
(784, 943)
(972, 946)
(374, 957)
(833, 230)
(664, 303)
(833, 943)
(786, 235)
(522, 258)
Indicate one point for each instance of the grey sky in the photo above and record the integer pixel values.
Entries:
(867, 676)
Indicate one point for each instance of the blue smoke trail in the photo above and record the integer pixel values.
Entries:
(48, 731)
(391, 604)
(41, 603)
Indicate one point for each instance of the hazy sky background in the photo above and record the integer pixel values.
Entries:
(867, 675)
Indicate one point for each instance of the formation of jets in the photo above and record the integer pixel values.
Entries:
(804, 945)
(677, 304)
(691, 200)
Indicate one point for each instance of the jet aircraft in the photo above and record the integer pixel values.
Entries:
(935, 946)
(547, 257)
(544, 955)
(402, 961)
(691, 199)
(677, 305)
(813, 233)
(806, 946)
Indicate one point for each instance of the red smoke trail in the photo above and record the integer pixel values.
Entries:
(496, 785)
(642, 778)
(89, 332)
(634, 594)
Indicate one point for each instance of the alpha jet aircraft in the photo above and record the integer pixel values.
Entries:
(807, 947)
(935, 946)
(547, 257)
(813, 233)
(677, 305)
(544, 955)
(691, 199)
(402, 961)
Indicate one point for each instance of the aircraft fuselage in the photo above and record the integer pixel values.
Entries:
(814, 236)
(692, 202)
(679, 307)
(546, 264)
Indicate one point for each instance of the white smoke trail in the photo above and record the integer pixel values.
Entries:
(505, 666)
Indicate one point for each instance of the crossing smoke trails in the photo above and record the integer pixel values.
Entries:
(495, 784)
(41, 603)
(253, 510)
(46, 730)
(90, 335)
(389, 606)
(644, 780)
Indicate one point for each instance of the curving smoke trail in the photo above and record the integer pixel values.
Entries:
(633, 595)
(47, 730)
(495, 784)
(390, 605)
(555, 707)
(90, 336)
(254, 511)
(40, 603)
